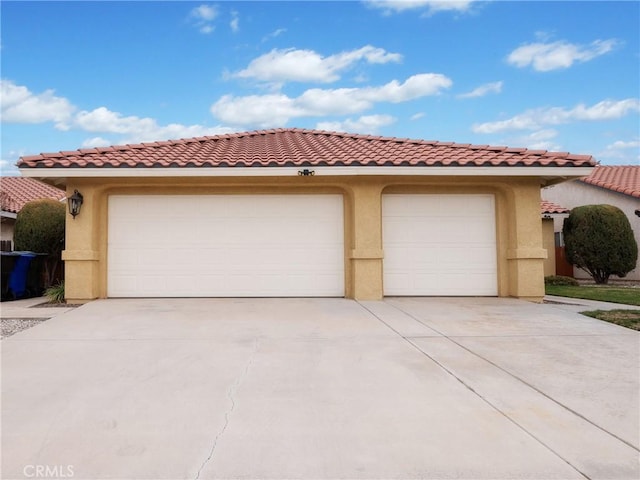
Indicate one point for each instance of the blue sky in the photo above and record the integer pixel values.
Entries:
(545, 75)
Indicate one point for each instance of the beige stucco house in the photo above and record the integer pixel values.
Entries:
(617, 185)
(291, 212)
(15, 193)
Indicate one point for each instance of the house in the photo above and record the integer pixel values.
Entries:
(613, 185)
(555, 263)
(15, 192)
(292, 212)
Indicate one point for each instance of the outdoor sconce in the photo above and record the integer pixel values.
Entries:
(306, 173)
(75, 202)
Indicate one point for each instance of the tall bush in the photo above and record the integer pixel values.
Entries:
(40, 228)
(599, 240)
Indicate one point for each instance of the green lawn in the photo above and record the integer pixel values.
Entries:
(626, 295)
(624, 318)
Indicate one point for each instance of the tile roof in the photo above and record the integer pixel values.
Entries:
(297, 147)
(16, 191)
(550, 207)
(622, 179)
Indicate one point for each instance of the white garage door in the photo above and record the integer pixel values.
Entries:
(439, 245)
(225, 246)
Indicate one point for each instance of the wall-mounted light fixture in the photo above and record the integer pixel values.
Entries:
(75, 202)
(638, 213)
(306, 173)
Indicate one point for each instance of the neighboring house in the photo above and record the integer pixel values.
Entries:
(555, 257)
(612, 185)
(15, 192)
(292, 212)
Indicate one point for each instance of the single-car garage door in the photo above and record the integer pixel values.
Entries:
(225, 245)
(439, 245)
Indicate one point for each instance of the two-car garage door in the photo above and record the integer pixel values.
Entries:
(293, 245)
(225, 246)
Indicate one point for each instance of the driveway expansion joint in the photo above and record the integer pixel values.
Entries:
(481, 396)
(451, 338)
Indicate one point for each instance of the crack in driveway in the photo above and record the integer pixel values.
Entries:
(227, 415)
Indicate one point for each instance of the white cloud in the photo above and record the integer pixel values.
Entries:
(136, 129)
(417, 116)
(621, 152)
(537, 118)
(482, 90)
(539, 140)
(235, 22)
(8, 168)
(19, 105)
(366, 124)
(544, 57)
(203, 16)
(432, 6)
(309, 66)
(277, 109)
(622, 145)
(274, 34)
(96, 142)
(8, 163)
(205, 12)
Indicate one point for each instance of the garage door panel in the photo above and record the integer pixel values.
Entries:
(439, 245)
(226, 245)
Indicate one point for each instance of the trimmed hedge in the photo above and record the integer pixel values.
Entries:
(40, 228)
(599, 240)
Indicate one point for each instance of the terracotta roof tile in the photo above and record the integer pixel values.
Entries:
(299, 147)
(16, 191)
(550, 207)
(619, 178)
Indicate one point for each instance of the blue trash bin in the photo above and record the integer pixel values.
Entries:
(18, 276)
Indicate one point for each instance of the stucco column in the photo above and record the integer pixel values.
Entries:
(81, 254)
(525, 254)
(366, 253)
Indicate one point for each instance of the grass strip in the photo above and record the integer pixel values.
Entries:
(603, 293)
(624, 318)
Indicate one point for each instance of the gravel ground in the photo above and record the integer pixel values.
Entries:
(15, 325)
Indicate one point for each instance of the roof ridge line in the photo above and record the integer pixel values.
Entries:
(300, 142)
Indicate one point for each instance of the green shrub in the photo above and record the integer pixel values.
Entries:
(39, 228)
(55, 293)
(560, 280)
(599, 240)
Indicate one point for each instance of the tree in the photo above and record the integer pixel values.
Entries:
(599, 240)
(39, 228)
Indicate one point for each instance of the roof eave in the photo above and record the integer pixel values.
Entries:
(8, 214)
(551, 174)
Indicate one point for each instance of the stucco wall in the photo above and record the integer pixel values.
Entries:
(549, 244)
(519, 232)
(574, 193)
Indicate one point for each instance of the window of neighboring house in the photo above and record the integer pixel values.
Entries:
(559, 239)
(5, 246)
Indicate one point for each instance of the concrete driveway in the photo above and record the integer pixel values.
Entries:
(406, 388)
